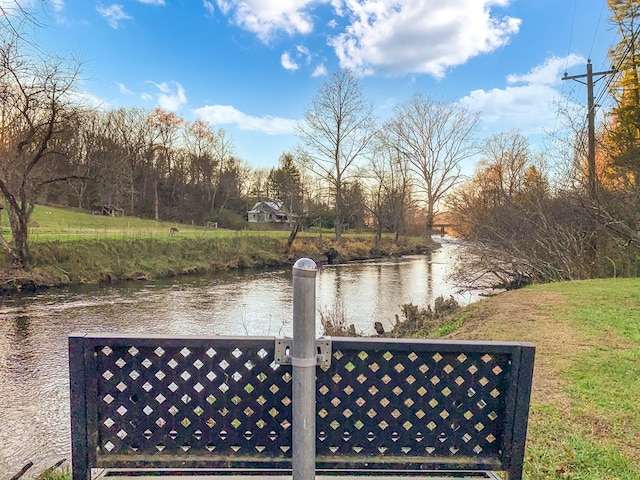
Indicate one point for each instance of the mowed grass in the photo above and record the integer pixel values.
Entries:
(584, 422)
(602, 379)
(58, 224)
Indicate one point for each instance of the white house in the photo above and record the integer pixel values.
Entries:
(267, 212)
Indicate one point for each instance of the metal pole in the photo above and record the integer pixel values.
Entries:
(304, 360)
(591, 115)
(591, 145)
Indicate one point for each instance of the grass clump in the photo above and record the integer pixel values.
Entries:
(558, 447)
(427, 322)
(335, 323)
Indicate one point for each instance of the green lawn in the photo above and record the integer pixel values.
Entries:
(584, 422)
(58, 224)
(64, 224)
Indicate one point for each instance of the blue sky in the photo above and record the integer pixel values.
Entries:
(252, 67)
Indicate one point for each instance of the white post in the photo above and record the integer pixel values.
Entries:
(304, 360)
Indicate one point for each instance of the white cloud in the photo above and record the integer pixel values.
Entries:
(287, 63)
(209, 7)
(172, 95)
(319, 71)
(302, 50)
(86, 99)
(225, 6)
(415, 36)
(58, 5)
(123, 89)
(10, 6)
(529, 106)
(152, 2)
(547, 73)
(266, 17)
(113, 13)
(388, 36)
(146, 97)
(302, 55)
(229, 115)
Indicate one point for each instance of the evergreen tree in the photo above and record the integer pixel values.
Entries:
(285, 184)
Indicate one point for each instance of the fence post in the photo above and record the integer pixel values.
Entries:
(303, 361)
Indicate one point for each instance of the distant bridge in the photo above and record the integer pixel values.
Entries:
(442, 227)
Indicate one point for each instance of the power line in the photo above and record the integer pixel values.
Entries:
(573, 20)
(609, 80)
(617, 68)
(591, 156)
(595, 34)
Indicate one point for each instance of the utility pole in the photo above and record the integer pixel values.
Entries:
(591, 154)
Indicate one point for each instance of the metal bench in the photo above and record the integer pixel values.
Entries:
(206, 407)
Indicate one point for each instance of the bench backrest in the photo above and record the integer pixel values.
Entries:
(223, 402)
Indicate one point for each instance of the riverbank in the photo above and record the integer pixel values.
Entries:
(583, 422)
(110, 260)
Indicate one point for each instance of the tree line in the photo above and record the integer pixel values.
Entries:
(528, 216)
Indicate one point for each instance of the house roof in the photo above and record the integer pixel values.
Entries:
(267, 207)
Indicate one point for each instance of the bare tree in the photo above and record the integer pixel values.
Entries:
(391, 187)
(521, 229)
(209, 150)
(35, 111)
(507, 157)
(335, 132)
(436, 138)
(130, 132)
(166, 129)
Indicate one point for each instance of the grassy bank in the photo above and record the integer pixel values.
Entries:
(584, 422)
(70, 247)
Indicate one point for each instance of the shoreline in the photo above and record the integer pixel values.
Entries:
(104, 262)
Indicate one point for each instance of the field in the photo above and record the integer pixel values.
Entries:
(63, 225)
(585, 415)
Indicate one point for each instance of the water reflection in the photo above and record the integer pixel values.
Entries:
(34, 405)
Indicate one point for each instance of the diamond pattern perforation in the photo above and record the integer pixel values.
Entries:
(400, 403)
(229, 401)
(223, 400)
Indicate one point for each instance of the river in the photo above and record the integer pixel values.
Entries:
(34, 383)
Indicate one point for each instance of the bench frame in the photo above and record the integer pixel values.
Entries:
(87, 384)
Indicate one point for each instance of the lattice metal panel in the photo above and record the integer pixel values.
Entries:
(380, 401)
(222, 400)
(225, 402)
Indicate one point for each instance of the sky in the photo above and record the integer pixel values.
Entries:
(252, 67)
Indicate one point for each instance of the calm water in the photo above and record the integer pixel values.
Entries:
(34, 404)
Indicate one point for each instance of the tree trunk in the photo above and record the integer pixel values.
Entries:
(337, 226)
(19, 252)
(132, 205)
(156, 200)
(292, 236)
(21, 241)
